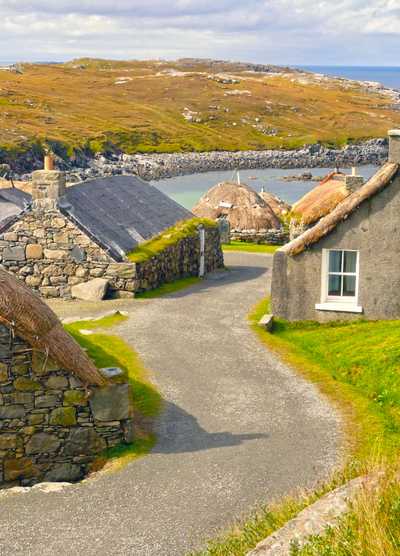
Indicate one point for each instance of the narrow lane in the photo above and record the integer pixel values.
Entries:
(238, 429)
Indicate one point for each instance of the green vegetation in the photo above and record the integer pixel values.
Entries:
(111, 351)
(263, 522)
(169, 288)
(104, 105)
(357, 366)
(250, 247)
(168, 238)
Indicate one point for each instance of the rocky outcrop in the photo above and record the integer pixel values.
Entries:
(158, 166)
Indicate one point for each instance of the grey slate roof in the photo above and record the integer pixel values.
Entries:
(12, 203)
(119, 212)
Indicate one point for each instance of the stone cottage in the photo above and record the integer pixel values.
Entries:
(322, 199)
(348, 265)
(57, 410)
(60, 236)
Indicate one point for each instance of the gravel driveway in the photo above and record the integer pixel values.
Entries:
(238, 429)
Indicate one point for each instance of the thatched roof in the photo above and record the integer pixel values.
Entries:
(379, 181)
(278, 205)
(33, 321)
(321, 200)
(240, 204)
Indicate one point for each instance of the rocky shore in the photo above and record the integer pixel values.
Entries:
(159, 166)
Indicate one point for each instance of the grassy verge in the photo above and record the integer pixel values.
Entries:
(171, 287)
(356, 365)
(171, 236)
(111, 351)
(250, 247)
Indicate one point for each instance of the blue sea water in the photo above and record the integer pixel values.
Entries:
(387, 75)
(187, 190)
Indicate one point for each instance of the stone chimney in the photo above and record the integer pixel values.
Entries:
(48, 186)
(394, 146)
(353, 181)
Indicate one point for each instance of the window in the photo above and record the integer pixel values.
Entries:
(339, 290)
(342, 273)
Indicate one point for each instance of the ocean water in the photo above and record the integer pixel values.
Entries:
(387, 75)
(187, 190)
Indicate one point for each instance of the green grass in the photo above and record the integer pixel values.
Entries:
(111, 351)
(168, 238)
(250, 247)
(169, 288)
(357, 366)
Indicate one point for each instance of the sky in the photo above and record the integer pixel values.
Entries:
(296, 32)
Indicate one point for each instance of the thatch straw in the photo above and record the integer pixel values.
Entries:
(278, 205)
(379, 181)
(241, 205)
(321, 200)
(32, 320)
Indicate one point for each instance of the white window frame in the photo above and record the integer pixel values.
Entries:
(348, 304)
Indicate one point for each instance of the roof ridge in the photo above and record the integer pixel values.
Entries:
(375, 184)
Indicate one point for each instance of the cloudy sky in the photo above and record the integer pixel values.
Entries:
(342, 32)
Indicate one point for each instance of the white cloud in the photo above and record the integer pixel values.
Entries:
(275, 31)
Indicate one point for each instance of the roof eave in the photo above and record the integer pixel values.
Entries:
(381, 179)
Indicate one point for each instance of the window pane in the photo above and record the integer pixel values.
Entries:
(349, 285)
(335, 261)
(335, 285)
(350, 261)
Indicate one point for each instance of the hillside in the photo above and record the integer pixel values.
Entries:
(188, 105)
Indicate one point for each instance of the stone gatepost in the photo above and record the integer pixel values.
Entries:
(224, 230)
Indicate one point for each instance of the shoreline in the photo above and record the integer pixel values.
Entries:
(154, 167)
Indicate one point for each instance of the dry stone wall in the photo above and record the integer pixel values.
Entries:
(272, 237)
(180, 261)
(50, 430)
(48, 252)
(51, 255)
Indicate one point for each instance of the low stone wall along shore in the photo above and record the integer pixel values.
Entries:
(159, 166)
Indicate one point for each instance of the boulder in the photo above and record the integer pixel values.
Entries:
(111, 403)
(94, 290)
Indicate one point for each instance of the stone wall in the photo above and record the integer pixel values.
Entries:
(49, 429)
(51, 255)
(48, 252)
(272, 237)
(180, 261)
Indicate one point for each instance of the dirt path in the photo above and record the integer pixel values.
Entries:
(238, 429)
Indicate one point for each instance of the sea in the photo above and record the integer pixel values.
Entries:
(187, 190)
(387, 75)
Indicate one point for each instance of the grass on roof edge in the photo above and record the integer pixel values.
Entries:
(370, 444)
(168, 238)
(112, 351)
